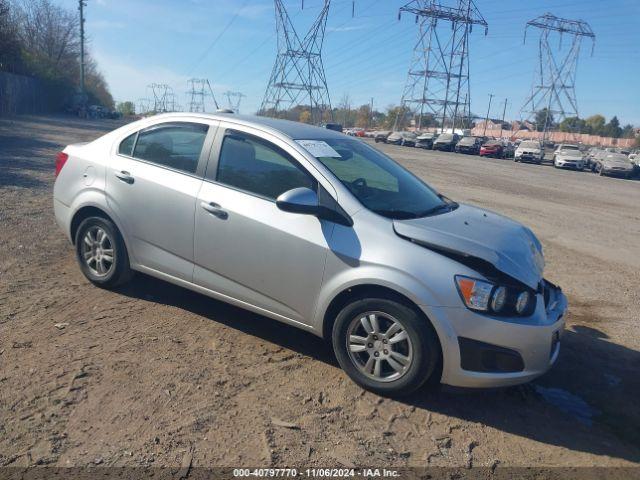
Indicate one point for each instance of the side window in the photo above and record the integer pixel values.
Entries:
(126, 146)
(258, 167)
(174, 145)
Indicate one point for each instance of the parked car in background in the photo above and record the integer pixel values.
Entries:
(446, 142)
(425, 140)
(568, 156)
(529, 151)
(393, 279)
(492, 148)
(405, 139)
(508, 149)
(381, 136)
(336, 127)
(614, 164)
(470, 145)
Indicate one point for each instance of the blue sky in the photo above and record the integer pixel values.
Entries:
(233, 44)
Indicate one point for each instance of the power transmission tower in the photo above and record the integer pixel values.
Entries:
(234, 99)
(298, 75)
(163, 97)
(142, 106)
(554, 83)
(438, 79)
(199, 90)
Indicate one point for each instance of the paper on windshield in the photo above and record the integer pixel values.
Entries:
(318, 148)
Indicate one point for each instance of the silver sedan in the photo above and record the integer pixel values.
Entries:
(321, 231)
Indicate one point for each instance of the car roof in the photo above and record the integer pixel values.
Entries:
(295, 130)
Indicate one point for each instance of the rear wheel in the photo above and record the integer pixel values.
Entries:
(385, 346)
(101, 253)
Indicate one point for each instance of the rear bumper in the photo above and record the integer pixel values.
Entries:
(483, 352)
(62, 214)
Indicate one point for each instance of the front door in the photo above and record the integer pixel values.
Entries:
(248, 249)
(152, 183)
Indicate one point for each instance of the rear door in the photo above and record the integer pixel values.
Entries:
(152, 185)
(245, 247)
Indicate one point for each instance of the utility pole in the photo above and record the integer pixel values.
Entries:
(81, 5)
(371, 113)
(486, 118)
(504, 112)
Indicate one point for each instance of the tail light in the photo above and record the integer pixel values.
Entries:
(61, 159)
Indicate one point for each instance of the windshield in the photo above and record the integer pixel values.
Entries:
(530, 145)
(569, 147)
(467, 141)
(378, 182)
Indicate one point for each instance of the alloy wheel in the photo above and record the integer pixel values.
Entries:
(379, 346)
(98, 251)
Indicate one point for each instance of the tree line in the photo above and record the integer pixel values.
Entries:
(42, 40)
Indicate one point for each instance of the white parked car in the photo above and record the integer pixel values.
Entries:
(529, 151)
(568, 156)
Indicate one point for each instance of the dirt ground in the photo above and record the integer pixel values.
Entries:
(153, 374)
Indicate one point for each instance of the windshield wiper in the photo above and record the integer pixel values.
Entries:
(397, 214)
(448, 206)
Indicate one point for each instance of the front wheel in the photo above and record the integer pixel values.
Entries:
(385, 346)
(101, 253)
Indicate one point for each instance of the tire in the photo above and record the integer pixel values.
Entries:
(420, 346)
(98, 269)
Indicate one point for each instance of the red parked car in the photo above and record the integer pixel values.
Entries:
(492, 148)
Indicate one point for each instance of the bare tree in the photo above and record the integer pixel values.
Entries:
(50, 37)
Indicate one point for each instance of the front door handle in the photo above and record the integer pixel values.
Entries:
(125, 177)
(214, 209)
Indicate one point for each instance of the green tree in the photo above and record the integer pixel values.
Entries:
(595, 124)
(627, 131)
(127, 108)
(392, 113)
(573, 124)
(612, 129)
(544, 118)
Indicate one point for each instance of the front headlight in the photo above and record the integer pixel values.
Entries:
(502, 300)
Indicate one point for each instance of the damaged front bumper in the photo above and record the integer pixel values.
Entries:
(486, 351)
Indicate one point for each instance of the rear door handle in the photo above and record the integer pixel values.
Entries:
(215, 209)
(125, 177)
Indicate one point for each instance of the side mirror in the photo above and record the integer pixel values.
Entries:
(299, 200)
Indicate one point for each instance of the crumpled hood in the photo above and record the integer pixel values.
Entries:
(469, 231)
